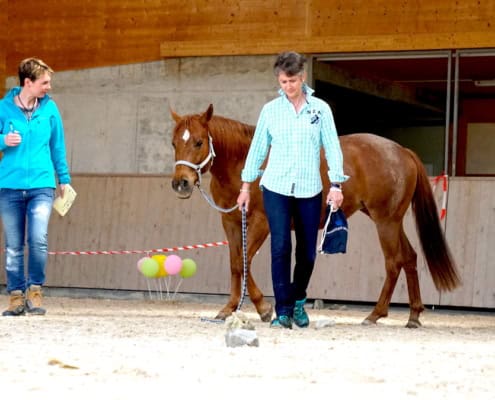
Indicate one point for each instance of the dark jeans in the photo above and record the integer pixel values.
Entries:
(305, 214)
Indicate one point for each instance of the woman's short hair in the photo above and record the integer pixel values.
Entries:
(289, 62)
(32, 68)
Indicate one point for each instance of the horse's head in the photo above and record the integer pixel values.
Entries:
(193, 150)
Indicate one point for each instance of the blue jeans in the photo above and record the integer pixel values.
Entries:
(25, 212)
(304, 213)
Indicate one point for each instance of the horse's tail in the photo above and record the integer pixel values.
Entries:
(438, 257)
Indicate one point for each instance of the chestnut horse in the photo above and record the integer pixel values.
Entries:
(385, 178)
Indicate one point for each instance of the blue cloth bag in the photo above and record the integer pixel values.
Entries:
(335, 232)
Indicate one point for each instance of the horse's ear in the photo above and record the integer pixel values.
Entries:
(206, 116)
(175, 116)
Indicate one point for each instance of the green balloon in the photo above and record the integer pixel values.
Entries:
(150, 268)
(188, 268)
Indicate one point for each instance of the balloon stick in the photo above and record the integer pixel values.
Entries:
(160, 287)
(149, 288)
(177, 287)
(166, 281)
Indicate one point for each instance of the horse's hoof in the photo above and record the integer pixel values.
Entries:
(267, 315)
(368, 322)
(222, 315)
(413, 324)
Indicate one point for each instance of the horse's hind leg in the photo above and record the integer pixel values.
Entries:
(389, 235)
(382, 305)
(410, 268)
(398, 253)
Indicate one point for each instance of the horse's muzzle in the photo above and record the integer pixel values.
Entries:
(182, 187)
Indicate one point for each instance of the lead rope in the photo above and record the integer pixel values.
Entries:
(324, 232)
(210, 201)
(244, 258)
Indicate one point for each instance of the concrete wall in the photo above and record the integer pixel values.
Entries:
(117, 119)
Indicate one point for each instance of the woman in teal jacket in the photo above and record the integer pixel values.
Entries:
(34, 158)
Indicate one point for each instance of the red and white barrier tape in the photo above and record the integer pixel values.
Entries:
(164, 250)
(444, 179)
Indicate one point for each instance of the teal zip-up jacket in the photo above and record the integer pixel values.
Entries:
(40, 158)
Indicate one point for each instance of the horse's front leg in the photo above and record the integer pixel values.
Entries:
(257, 233)
(234, 237)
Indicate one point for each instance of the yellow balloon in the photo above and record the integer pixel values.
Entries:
(160, 259)
(162, 272)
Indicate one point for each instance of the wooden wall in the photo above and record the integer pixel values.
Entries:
(471, 233)
(3, 45)
(93, 33)
(139, 213)
(322, 26)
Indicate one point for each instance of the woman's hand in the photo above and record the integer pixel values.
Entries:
(61, 189)
(12, 139)
(244, 197)
(335, 197)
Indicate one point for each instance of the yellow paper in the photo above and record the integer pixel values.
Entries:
(63, 204)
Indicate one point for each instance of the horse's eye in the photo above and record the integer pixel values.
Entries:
(173, 145)
(198, 144)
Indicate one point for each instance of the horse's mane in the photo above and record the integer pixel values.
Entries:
(234, 137)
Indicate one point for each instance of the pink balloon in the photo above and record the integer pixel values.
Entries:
(140, 262)
(173, 264)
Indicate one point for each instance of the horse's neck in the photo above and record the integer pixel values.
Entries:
(226, 166)
(231, 148)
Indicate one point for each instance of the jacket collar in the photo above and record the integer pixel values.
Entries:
(17, 89)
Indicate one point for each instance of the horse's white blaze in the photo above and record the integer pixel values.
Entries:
(186, 135)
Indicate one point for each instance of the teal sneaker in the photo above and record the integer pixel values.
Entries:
(282, 321)
(301, 318)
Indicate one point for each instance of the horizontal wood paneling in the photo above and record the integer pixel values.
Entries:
(93, 33)
(349, 26)
(127, 213)
(471, 232)
(124, 213)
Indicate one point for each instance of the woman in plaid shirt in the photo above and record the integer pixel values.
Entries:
(293, 128)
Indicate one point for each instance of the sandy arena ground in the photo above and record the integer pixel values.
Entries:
(88, 348)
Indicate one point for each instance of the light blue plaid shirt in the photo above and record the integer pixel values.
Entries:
(294, 141)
